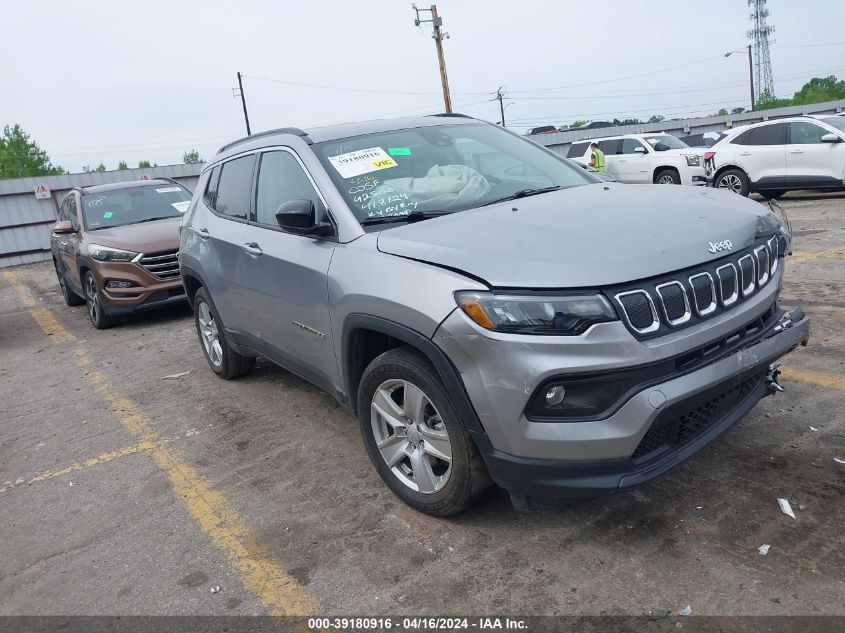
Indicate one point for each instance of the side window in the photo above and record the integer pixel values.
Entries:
(629, 145)
(612, 146)
(804, 133)
(768, 135)
(211, 187)
(63, 210)
(281, 179)
(71, 213)
(234, 187)
(743, 139)
(577, 150)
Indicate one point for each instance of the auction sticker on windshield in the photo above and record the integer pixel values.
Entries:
(362, 161)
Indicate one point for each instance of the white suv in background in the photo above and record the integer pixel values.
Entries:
(773, 157)
(646, 158)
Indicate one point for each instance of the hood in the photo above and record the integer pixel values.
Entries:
(148, 237)
(587, 236)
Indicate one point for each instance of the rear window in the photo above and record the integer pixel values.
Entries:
(134, 205)
(577, 150)
(611, 147)
(768, 135)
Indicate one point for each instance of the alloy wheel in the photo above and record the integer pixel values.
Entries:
(411, 436)
(666, 179)
(731, 182)
(92, 296)
(209, 334)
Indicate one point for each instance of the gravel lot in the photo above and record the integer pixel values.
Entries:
(126, 491)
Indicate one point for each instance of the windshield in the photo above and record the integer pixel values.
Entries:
(133, 205)
(836, 121)
(437, 169)
(671, 142)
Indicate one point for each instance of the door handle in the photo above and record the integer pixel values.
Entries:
(796, 151)
(745, 153)
(63, 242)
(253, 249)
(203, 233)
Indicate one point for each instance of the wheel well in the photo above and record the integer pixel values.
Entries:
(664, 168)
(191, 286)
(725, 168)
(363, 346)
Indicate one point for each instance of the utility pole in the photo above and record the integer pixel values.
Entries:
(499, 96)
(751, 75)
(438, 35)
(243, 102)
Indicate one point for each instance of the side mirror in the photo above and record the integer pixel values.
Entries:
(300, 217)
(63, 226)
(661, 147)
(831, 138)
(639, 149)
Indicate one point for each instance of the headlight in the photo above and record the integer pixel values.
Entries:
(557, 315)
(108, 254)
(693, 160)
(768, 224)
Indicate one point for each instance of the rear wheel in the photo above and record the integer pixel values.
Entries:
(223, 360)
(667, 177)
(415, 439)
(70, 297)
(768, 195)
(733, 180)
(99, 319)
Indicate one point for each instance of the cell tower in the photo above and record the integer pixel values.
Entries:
(759, 34)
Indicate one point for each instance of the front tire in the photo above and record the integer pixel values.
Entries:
(667, 177)
(70, 297)
(414, 436)
(98, 317)
(223, 360)
(733, 180)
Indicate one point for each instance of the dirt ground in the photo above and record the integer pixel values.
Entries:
(124, 490)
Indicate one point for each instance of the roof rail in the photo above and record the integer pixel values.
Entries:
(282, 130)
(454, 114)
(166, 179)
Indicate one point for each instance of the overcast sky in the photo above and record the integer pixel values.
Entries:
(107, 81)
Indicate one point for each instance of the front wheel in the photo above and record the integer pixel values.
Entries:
(733, 180)
(414, 437)
(667, 177)
(98, 317)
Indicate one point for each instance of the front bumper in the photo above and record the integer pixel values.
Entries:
(149, 292)
(583, 458)
(693, 176)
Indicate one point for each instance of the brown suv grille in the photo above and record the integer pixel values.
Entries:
(164, 264)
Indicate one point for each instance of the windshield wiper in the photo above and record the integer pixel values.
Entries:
(414, 216)
(523, 193)
(166, 217)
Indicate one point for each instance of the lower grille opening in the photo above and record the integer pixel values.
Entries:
(685, 421)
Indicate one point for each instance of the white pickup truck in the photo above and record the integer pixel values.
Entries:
(646, 158)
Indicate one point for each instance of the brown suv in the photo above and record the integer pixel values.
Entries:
(115, 247)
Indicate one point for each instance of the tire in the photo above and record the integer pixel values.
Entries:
(223, 360)
(416, 443)
(667, 177)
(99, 319)
(70, 297)
(733, 180)
(768, 195)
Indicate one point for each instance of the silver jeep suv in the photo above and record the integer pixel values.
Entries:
(487, 309)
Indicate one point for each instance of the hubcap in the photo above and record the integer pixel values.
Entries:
(731, 182)
(93, 297)
(209, 335)
(666, 180)
(411, 436)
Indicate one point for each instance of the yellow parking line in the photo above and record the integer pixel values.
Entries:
(276, 589)
(814, 377)
(99, 459)
(800, 258)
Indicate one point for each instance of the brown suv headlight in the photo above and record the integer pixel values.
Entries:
(559, 315)
(108, 254)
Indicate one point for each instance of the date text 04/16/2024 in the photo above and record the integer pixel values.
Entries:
(416, 624)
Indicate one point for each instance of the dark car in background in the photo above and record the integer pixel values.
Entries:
(115, 247)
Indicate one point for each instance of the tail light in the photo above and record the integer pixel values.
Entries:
(709, 155)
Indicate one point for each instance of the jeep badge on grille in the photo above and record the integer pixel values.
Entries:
(724, 245)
